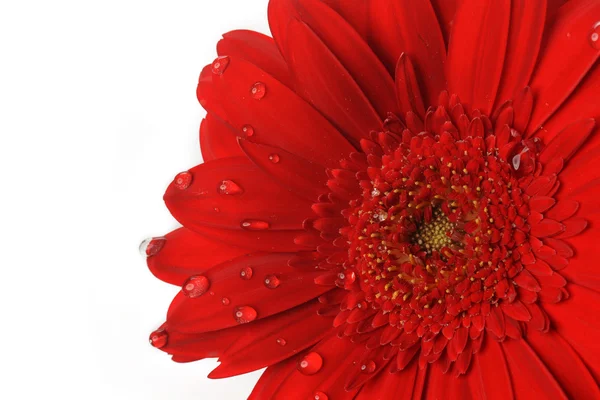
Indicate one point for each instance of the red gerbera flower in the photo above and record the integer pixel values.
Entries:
(399, 200)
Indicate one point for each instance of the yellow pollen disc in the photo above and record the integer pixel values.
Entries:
(434, 235)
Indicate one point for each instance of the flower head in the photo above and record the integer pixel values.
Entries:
(398, 200)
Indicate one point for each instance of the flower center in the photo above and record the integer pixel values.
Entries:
(435, 234)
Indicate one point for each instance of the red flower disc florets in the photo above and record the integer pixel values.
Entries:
(439, 234)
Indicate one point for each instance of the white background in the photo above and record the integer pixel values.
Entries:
(97, 114)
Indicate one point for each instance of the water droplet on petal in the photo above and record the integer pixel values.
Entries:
(274, 158)
(516, 162)
(375, 192)
(255, 225)
(310, 363)
(595, 36)
(321, 396)
(183, 180)
(248, 130)
(220, 65)
(229, 187)
(159, 338)
(151, 246)
(225, 301)
(380, 215)
(195, 286)
(368, 367)
(281, 342)
(244, 314)
(258, 90)
(345, 278)
(246, 273)
(272, 282)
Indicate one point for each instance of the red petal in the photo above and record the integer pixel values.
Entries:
(557, 262)
(267, 240)
(527, 296)
(575, 320)
(573, 226)
(258, 49)
(541, 203)
(186, 253)
(411, 27)
(400, 384)
(552, 295)
(523, 105)
(582, 268)
(330, 225)
(293, 172)
(563, 210)
(527, 281)
(271, 340)
(547, 227)
(565, 364)
(513, 329)
(355, 12)
(217, 139)
(581, 104)
(380, 319)
(406, 341)
(445, 11)
(337, 355)
(357, 377)
(307, 133)
(226, 193)
(554, 280)
(568, 141)
(188, 347)
(208, 94)
(403, 358)
(463, 362)
(441, 385)
(389, 333)
(209, 312)
(516, 310)
(540, 268)
(495, 322)
(459, 341)
(585, 159)
(407, 87)
(341, 318)
(440, 344)
(323, 81)
(273, 376)
(561, 247)
(490, 378)
(344, 42)
(530, 377)
(476, 51)
(565, 60)
(541, 185)
(359, 314)
(539, 319)
(527, 21)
